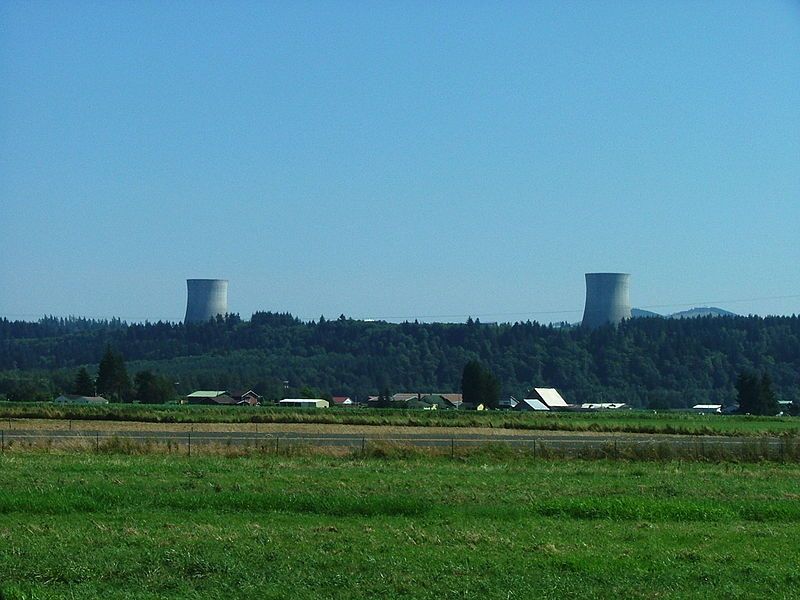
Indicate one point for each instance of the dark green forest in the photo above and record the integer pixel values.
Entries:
(646, 362)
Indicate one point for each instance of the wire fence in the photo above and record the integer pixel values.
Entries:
(581, 447)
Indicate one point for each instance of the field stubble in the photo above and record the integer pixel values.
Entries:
(642, 422)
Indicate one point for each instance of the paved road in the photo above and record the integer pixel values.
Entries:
(569, 442)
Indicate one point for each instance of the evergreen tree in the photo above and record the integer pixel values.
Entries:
(756, 396)
(153, 389)
(747, 388)
(112, 377)
(384, 399)
(83, 386)
(491, 390)
(479, 385)
(472, 387)
(768, 402)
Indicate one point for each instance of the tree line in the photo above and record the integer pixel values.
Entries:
(657, 363)
(114, 383)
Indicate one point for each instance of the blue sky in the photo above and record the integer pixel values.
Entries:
(398, 160)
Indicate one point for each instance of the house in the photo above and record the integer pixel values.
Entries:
(304, 403)
(707, 408)
(209, 397)
(423, 400)
(471, 406)
(223, 398)
(507, 403)
(549, 397)
(245, 397)
(78, 399)
(437, 402)
(531, 404)
(455, 400)
(343, 401)
(424, 403)
(400, 398)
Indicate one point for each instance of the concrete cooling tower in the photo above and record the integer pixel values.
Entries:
(607, 299)
(206, 299)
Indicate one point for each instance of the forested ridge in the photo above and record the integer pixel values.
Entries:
(647, 362)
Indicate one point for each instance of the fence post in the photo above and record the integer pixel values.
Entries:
(96, 441)
(190, 442)
(616, 451)
(452, 447)
(2, 440)
(363, 446)
(277, 441)
(534, 448)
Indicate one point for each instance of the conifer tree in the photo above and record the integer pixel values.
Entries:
(112, 377)
(83, 386)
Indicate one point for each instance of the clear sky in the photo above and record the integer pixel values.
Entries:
(398, 159)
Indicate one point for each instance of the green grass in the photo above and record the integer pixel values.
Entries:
(624, 422)
(83, 525)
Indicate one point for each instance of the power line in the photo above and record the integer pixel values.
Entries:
(447, 316)
(578, 311)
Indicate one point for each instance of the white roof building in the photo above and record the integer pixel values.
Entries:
(305, 402)
(550, 397)
(531, 404)
(207, 394)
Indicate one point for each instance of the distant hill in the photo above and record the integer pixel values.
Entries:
(692, 313)
(640, 313)
(704, 311)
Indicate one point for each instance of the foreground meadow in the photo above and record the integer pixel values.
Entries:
(83, 525)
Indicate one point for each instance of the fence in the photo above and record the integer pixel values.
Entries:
(573, 446)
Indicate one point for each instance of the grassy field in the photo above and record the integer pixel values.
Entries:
(83, 525)
(624, 422)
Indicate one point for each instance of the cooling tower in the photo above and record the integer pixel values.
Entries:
(206, 299)
(607, 299)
